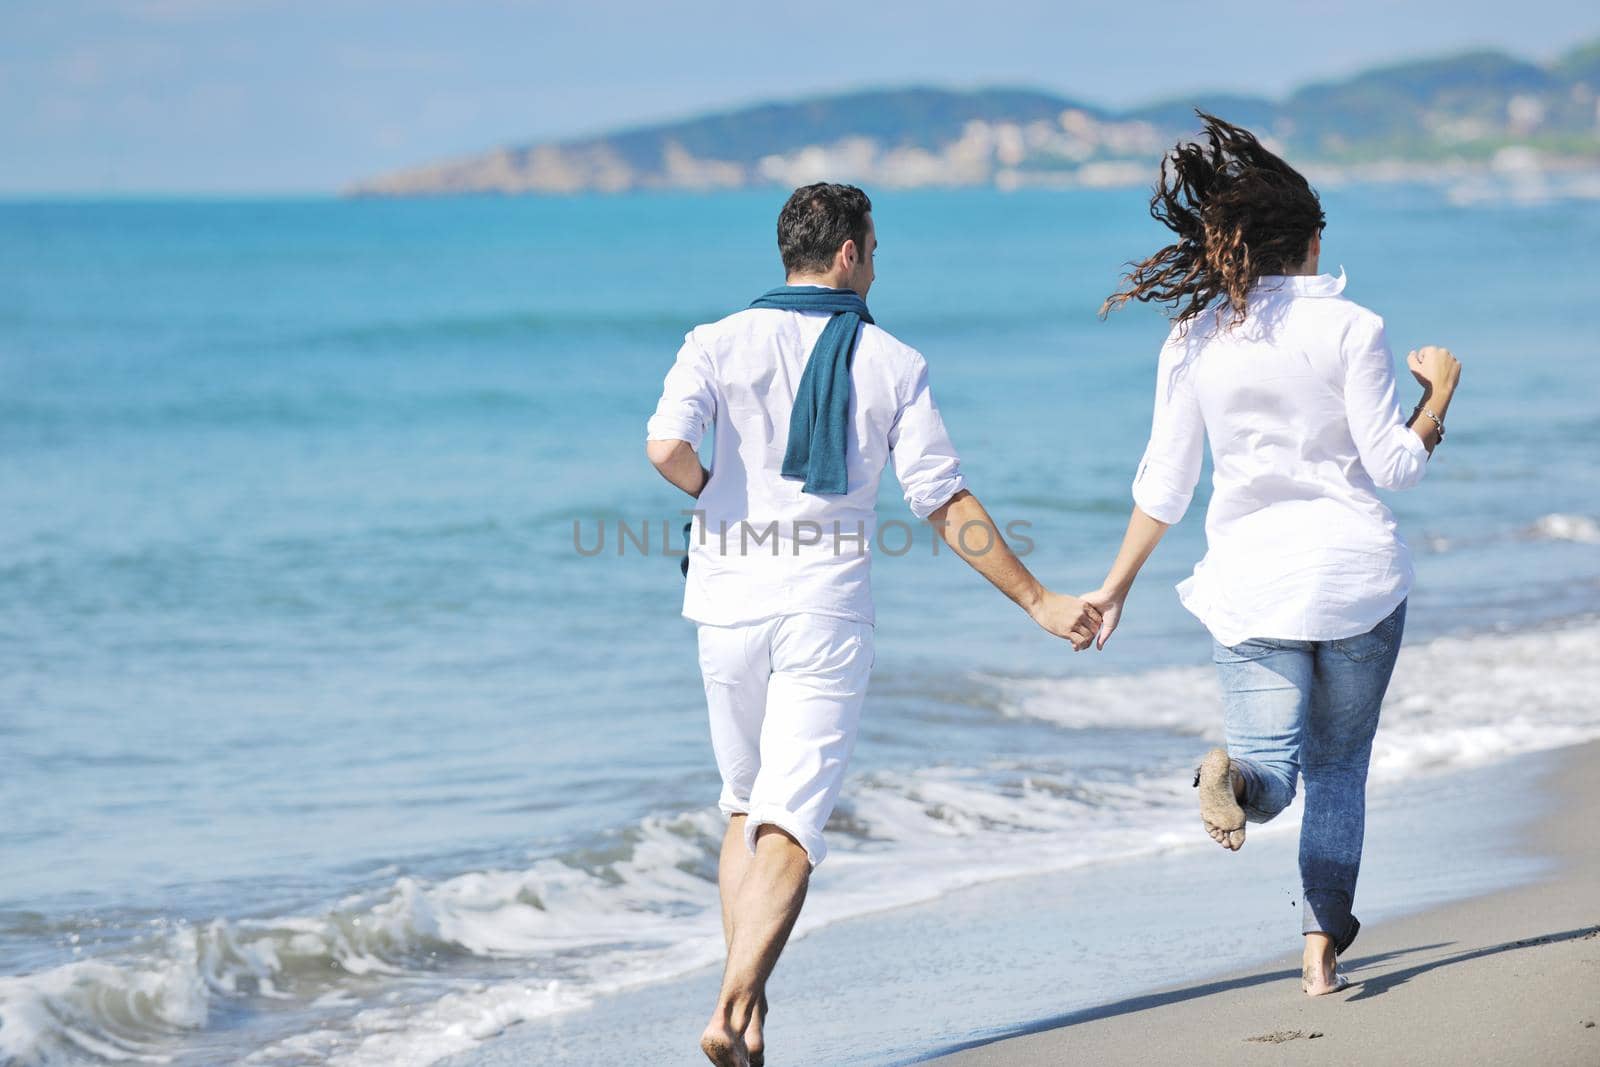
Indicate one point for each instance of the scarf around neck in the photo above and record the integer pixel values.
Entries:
(819, 423)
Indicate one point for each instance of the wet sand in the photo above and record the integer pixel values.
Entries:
(1508, 978)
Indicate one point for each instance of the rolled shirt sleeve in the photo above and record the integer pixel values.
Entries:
(688, 403)
(1167, 475)
(925, 461)
(1392, 453)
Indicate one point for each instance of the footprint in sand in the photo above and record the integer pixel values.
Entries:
(1278, 1037)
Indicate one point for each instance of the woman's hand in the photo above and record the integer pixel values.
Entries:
(1436, 369)
(1109, 604)
(1144, 533)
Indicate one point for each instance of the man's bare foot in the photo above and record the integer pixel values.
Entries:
(1219, 784)
(754, 1043)
(723, 1047)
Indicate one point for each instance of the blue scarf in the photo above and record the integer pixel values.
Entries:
(820, 422)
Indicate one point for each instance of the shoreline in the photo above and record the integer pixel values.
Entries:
(1012, 956)
(1510, 976)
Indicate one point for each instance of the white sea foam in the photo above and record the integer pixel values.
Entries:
(1454, 702)
(368, 976)
(1559, 527)
(930, 833)
(131, 1011)
(1556, 526)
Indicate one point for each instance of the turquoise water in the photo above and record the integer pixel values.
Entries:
(310, 711)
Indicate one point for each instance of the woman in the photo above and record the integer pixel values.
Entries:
(1304, 581)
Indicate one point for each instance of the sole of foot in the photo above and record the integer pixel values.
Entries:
(724, 1049)
(1219, 808)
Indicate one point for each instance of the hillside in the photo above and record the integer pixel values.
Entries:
(1471, 109)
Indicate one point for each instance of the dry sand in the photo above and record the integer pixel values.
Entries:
(1510, 978)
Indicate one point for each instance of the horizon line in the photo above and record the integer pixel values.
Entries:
(1584, 39)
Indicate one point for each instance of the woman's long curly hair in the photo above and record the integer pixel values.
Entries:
(1240, 213)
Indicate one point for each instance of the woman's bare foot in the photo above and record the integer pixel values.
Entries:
(1316, 982)
(755, 1045)
(1219, 786)
(1319, 970)
(723, 1047)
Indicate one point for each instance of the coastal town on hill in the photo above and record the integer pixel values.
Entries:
(1484, 123)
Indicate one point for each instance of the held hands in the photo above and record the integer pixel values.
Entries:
(1435, 368)
(1068, 617)
(1109, 604)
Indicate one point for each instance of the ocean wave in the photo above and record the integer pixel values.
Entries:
(419, 970)
(1454, 701)
(644, 899)
(902, 838)
(639, 908)
(1559, 527)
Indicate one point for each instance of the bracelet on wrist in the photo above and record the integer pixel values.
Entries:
(1438, 423)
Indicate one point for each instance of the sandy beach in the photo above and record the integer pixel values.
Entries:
(1512, 977)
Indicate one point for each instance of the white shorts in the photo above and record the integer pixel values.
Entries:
(785, 698)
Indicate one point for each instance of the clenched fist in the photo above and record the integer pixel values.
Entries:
(1435, 368)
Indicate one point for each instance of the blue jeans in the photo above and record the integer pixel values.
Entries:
(1310, 708)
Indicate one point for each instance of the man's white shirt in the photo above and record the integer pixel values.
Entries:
(760, 547)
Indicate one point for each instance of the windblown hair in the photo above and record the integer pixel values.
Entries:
(817, 221)
(1240, 213)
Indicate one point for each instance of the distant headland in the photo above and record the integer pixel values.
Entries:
(1456, 117)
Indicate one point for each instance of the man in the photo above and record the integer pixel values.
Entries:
(810, 400)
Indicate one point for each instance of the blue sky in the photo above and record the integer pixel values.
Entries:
(289, 96)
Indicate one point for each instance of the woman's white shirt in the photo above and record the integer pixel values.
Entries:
(1299, 403)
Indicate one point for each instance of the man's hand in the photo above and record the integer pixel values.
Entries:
(1068, 617)
(1109, 604)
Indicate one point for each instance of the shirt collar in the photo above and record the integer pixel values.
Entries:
(1301, 284)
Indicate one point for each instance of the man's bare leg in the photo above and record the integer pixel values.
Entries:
(764, 911)
(732, 864)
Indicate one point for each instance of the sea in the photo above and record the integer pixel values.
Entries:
(346, 717)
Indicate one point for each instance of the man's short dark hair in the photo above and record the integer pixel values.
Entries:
(817, 221)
